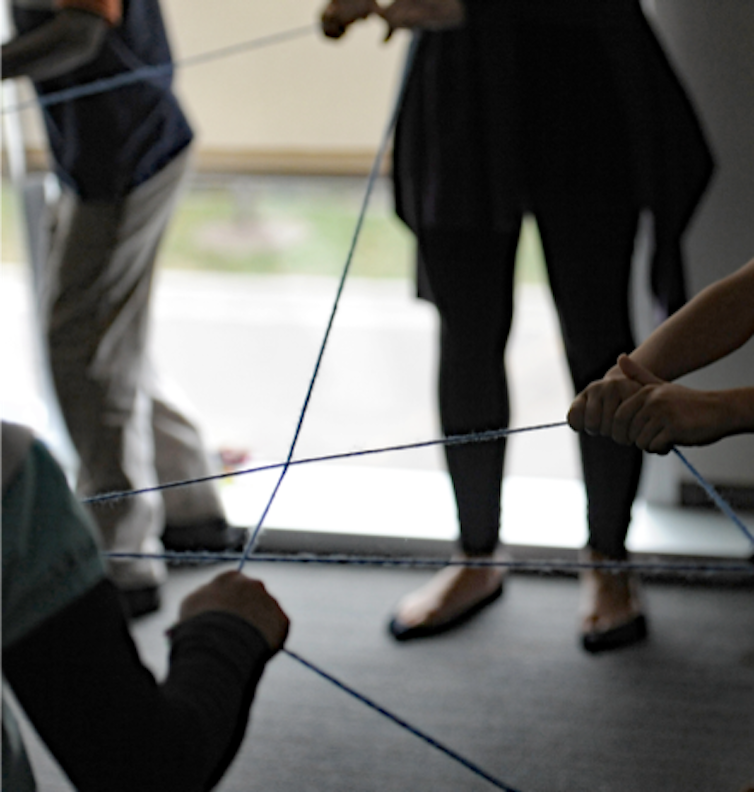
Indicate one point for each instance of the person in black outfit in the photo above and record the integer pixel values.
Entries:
(569, 112)
(72, 665)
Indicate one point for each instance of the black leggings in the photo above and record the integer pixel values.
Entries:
(578, 181)
(470, 273)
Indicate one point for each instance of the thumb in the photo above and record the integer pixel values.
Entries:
(636, 372)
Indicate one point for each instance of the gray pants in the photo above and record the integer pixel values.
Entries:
(126, 432)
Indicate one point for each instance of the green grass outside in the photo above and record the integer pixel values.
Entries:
(285, 225)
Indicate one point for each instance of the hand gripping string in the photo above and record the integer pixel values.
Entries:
(467, 763)
(374, 173)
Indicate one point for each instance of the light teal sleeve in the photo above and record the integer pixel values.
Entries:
(50, 557)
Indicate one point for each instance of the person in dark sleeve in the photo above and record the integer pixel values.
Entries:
(639, 403)
(570, 112)
(121, 157)
(70, 661)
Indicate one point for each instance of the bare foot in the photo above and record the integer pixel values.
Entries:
(609, 599)
(450, 593)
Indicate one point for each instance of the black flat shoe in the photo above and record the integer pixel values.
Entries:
(212, 536)
(402, 632)
(617, 637)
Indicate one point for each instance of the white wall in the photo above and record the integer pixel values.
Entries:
(712, 43)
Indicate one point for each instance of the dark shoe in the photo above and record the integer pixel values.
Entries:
(616, 637)
(612, 607)
(402, 632)
(140, 601)
(212, 536)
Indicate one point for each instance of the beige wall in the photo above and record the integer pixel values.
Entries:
(309, 96)
(305, 105)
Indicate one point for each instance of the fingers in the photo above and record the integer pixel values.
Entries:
(593, 410)
(233, 592)
(633, 424)
(576, 413)
(331, 25)
(634, 407)
(603, 420)
(656, 440)
(338, 15)
(636, 372)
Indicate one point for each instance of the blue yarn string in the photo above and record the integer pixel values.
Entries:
(716, 497)
(158, 71)
(472, 437)
(167, 70)
(373, 175)
(686, 569)
(474, 768)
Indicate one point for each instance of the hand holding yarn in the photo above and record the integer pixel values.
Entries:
(233, 592)
(339, 15)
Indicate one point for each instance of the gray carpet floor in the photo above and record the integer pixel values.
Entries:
(511, 691)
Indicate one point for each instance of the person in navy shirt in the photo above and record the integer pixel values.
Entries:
(121, 157)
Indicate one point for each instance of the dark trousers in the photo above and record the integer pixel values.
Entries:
(470, 273)
(576, 176)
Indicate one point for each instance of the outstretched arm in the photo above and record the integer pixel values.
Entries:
(73, 666)
(69, 40)
(635, 403)
(716, 322)
(108, 722)
(660, 415)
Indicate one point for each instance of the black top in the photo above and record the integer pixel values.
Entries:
(463, 144)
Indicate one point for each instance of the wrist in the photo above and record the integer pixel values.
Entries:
(737, 410)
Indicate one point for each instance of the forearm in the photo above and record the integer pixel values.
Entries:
(68, 41)
(717, 321)
(216, 663)
(736, 411)
(107, 721)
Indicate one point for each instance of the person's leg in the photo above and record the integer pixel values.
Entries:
(589, 275)
(471, 279)
(95, 329)
(101, 276)
(583, 194)
(194, 514)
